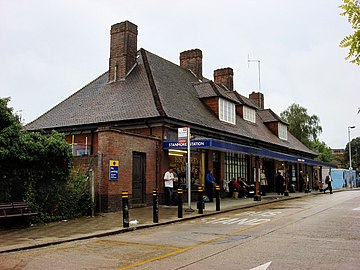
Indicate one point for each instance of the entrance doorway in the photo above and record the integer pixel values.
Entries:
(138, 178)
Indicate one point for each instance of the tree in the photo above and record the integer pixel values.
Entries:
(351, 9)
(304, 127)
(36, 168)
(325, 152)
(355, 154)
(307, 129)
(10, 147)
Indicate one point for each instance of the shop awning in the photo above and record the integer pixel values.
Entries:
(219, 145)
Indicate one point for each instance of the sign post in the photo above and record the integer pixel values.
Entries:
(188, 171)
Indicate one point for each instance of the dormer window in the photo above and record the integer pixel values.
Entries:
(227, 111)
(249, 114)
(282, 130)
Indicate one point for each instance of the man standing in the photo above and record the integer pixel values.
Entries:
(169, 185)
(279, 181)
(301, 181)
(209, 185)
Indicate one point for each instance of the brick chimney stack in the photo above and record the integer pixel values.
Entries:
(123, 49)
(225, 76)
(192, 60)
(257, 98)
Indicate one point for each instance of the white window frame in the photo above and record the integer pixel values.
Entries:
(227, 111)
(282, 130)
(249, 114)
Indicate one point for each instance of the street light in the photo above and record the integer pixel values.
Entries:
(349, 128)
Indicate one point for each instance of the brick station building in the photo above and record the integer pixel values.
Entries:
(124, 126)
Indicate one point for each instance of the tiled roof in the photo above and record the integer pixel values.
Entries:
(268, 115)
(101, 102)
(157, 87)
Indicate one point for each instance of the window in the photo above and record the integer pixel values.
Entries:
(235, 165)
(282, 130)
(249, 114)
(80, 149)
(226, 111)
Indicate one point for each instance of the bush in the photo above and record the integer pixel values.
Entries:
(36, 168)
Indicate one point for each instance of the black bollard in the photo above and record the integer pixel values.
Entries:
(180, 203)
(155, 206)
(125, 208)
(217, 195)
(200, 200)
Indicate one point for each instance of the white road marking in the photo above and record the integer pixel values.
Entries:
(357, 208)
(244, 221)
(262, 267)
(239, 221)
(260, 213)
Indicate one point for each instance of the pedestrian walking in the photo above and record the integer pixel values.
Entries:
(328, 182)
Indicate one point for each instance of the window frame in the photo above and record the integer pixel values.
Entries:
(249, 114)
(282, 131)
(227, 111)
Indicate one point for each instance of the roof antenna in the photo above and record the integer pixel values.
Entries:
(258, 61)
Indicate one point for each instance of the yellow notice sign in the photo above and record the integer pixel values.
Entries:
(114, 162)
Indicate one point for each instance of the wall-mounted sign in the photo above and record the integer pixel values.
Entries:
(113, 170)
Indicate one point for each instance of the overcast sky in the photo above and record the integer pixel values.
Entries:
(51, 49)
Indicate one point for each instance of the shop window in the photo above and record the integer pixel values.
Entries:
(178, 163)
(235, 166)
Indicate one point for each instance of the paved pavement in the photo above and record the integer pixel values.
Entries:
(111, 223)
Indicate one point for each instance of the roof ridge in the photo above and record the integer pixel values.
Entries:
(152, 84)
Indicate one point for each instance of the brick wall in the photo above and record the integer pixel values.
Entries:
(273, 126)
(116, 145)
(212, 104)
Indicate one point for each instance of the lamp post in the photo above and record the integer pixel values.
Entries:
(349, 128)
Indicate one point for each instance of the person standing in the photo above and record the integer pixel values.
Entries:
(307, 180)
(279, 181)
(209, 185)
(169, 185)
(301, 181)
(328, 182)
(263, 183)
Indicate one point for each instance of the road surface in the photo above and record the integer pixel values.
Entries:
(313, 232)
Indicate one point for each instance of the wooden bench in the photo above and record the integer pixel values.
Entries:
(15, 209)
